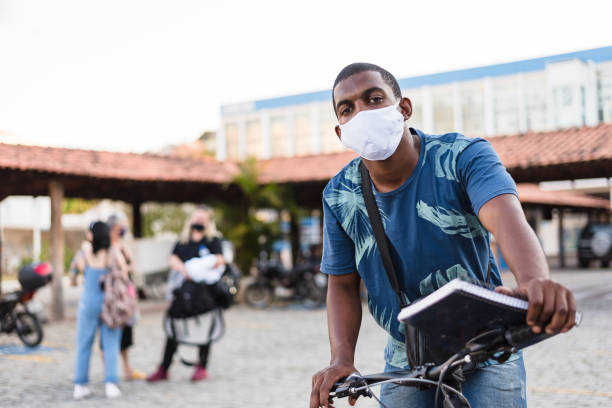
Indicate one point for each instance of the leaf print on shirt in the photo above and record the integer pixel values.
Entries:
(352, 172)
(426, 286)
(382, 316)
(445, 157)
(349, 206)
(451, 221)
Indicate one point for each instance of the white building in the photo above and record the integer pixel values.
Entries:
(25, 222)
(548, 93)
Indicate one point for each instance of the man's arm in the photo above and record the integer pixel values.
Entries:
(343, 321)
(551, 306)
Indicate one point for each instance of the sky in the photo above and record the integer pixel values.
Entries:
(137, 75)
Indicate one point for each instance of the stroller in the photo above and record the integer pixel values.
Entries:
(195, 316)
(14, 314)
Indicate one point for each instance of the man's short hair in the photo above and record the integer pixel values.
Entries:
(358, 67)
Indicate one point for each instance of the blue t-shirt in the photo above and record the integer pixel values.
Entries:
(431, 221)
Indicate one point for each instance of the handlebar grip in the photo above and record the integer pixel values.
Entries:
(519, 335)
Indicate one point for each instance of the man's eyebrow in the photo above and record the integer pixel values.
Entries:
(370, 90)
(363, 94)
(342, 102)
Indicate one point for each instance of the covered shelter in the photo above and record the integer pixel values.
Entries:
(137, 178)
(132, 178)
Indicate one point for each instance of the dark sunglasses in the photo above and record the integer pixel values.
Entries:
(197, 227)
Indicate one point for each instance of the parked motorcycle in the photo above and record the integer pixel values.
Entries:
(303, 283)
(14, 314)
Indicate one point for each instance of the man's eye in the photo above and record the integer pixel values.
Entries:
(376, 99)
(345, 111)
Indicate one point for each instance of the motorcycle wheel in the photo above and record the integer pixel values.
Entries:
(313, 294)
(258, 295)
(28, 329)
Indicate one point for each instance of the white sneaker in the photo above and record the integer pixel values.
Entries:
(112, 391)
(80, 392)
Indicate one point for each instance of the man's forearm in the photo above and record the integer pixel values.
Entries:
(552, 306)
(521, 248)
(344, 317)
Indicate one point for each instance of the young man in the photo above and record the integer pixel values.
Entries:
(439, 197)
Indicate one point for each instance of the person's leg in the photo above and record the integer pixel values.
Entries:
(161, 374)
(200, 371)
(500, 385)
(399, 396)
(170, 349)
(86, 331)
(126, 342)
(204, 352)
(110, 339)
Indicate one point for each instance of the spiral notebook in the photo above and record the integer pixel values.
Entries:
(460, 310)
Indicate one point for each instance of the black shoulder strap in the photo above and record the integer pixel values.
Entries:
(379, 232)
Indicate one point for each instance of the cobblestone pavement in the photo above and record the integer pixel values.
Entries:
(267, 358)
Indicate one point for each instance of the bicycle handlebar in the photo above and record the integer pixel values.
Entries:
(481, 348)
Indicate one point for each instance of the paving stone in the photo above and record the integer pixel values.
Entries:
(267, 357)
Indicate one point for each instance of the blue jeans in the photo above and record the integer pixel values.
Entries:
(499, 386)
(88, 321)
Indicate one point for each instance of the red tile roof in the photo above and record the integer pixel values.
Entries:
(571, 148)
(532, 194)
(298, 169)
(110, 165)
(530, 150)
(573, 145)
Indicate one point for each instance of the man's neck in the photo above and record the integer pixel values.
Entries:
(388, 175)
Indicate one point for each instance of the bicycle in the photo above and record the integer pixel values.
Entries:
(497, 343)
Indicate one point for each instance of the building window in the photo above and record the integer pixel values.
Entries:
(605, 93)
(506, 105)
(231, 141)
(472, 108)
(303, 134)
(279, 137)
(443, 111)
(254, 140)
(535, 93)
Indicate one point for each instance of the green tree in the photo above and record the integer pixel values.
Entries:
(157, 218)
(239, 222)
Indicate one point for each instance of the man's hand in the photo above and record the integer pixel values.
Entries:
(551, 306)
(323, 381)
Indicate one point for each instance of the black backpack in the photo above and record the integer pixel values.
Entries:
(192, 299)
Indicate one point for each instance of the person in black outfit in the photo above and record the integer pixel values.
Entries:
(201, 242)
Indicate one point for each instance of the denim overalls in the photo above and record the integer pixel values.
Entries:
(88, 320)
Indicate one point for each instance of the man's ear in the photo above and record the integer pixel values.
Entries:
(406, 108)
(338, 133)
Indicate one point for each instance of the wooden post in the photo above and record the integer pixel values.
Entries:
(1, 261)
(294, 238)
(137, 219)
(561, 240)
(56, 193)
(2, 197)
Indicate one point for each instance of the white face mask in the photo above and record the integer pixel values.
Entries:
(374, 134)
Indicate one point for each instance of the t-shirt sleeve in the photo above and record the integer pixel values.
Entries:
(338, 249)
(483, 175)
(177, 249)
(215, 246)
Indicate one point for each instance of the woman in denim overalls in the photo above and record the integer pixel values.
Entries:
(96, 263)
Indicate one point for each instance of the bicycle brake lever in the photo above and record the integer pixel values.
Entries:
(347, 387)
